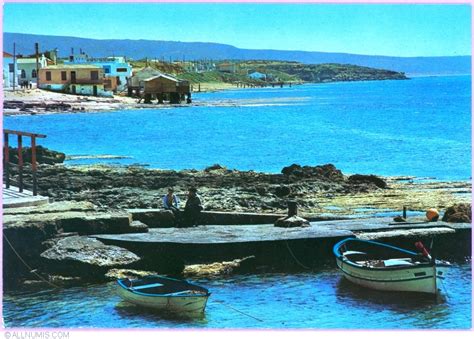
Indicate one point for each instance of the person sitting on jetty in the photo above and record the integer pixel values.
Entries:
(171, 203)
(193, 208)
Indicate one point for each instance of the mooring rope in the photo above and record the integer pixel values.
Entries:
(233, 308)
(291, 252)
(294, 257)
(28, 266)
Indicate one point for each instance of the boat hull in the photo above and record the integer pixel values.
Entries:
(426, 279)
(174, 304)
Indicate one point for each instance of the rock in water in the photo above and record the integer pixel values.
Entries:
(220, 268)
(293, 221)
(458, 213)
(118, 273)
(84, 256)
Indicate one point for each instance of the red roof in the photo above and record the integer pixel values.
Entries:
(7, 55)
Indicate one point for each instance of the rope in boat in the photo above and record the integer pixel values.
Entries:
(233, 308)
(28, 266)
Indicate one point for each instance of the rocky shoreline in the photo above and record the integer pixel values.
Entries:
(99, 199)
(320, 189)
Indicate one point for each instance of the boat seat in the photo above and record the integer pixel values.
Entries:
(145, 286)
(397, 262)
(352, 252)
(178, 293)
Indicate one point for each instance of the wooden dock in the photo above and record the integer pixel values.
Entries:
(13, 198)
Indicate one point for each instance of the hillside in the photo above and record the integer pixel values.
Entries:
(140, 49)
(278, 71)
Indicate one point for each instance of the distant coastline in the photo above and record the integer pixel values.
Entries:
(175, 50)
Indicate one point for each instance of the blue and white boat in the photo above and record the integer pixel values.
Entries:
(164, 294)
(388, 268)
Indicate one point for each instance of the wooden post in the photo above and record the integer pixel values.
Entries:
(6, 160)
(160, 98)
(292, 208)
(404, 212)
(199, 87)
(147, 98)
(20, 163)
(33, 164)
(37, 64)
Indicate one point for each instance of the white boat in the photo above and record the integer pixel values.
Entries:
(164, 294)
(388, 268)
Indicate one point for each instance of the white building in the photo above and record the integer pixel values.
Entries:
(27, 68)
(10, 71)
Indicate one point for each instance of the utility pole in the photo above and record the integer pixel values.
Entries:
(37, 64)
(14, 66)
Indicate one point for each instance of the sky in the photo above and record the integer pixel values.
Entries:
(373, 29)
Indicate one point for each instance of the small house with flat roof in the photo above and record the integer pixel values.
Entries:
(75, 79)
(116, 69)
(27, 68)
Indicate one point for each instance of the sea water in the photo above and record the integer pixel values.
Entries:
(320, 299)
(418, 127)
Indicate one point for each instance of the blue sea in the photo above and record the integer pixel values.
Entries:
(419, 127)
(321, 299)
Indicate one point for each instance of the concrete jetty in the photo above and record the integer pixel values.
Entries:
(78, 239)
(275, 245)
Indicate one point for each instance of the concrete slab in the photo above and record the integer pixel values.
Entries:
(218, 234)
(12, 198)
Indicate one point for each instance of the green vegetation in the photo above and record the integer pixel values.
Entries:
(276, 71)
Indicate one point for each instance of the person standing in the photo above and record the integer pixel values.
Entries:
(193, 208)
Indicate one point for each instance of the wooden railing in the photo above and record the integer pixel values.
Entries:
(6, 158)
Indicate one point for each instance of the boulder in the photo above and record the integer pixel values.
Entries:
(458, 213)
(84, 256)
(282, 191)
(43, 155)
(138, 227)
(367, 179)
(327, 172)
(220, 268)
(215, 167)
(293, 221)
(293, 169)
